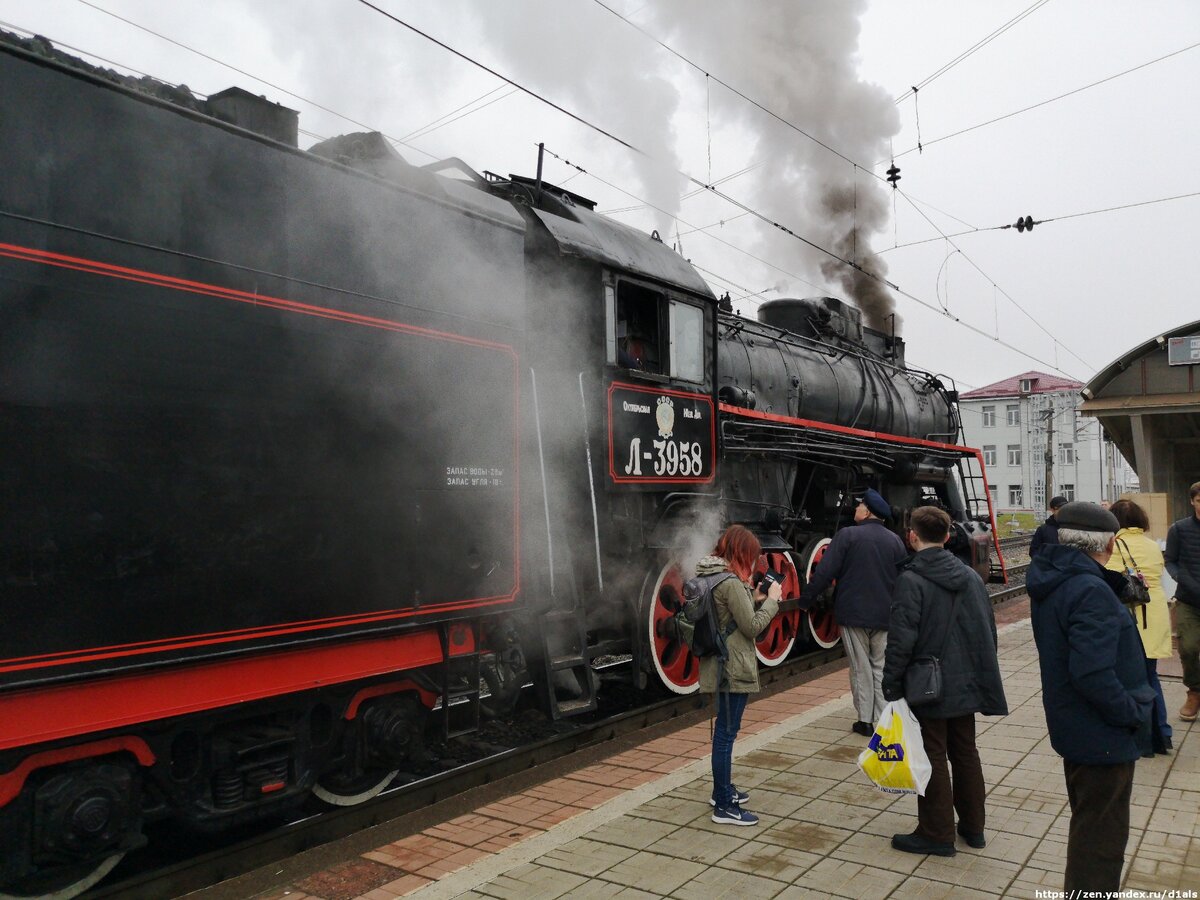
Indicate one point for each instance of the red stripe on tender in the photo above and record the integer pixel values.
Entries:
(62, 711)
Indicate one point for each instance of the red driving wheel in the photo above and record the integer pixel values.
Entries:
(677, 670)
(821, 624)
(776, 642)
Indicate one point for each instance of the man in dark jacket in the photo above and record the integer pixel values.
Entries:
(941, 608)
(1094, 689)
(1183, 564)
(863, 561)
(1047, 532)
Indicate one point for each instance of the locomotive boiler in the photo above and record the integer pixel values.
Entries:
(304, 448)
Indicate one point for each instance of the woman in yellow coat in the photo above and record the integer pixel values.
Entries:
(1137, 551)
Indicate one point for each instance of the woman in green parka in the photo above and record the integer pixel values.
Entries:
(737, 551)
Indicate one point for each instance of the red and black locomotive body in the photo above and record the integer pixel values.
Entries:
(302, 446)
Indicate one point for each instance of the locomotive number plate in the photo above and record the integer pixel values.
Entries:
(659, 436)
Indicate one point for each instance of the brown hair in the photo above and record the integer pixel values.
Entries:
(1130, 515)
(740, 549)
(931, 524)
(1194, 490)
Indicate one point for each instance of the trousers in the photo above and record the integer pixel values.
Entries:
(865, 648)
(729, 721)
(1187, 626)
(951, 740)
(1099, 797)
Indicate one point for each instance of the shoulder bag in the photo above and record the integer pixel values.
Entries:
(1134, 594)
(923, 677)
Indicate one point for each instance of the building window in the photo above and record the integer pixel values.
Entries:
(1068, 491)
(1014, 495)
(989, 454)
(1027, 385)
(1014, 454)
(989, 417)
(1066, 454)
(1012, 413)
(992, 495)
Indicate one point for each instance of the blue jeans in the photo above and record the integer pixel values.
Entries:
(1160, 703)
(729, 720)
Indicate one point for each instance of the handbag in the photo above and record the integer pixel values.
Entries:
(923, 677)
(1134, 593)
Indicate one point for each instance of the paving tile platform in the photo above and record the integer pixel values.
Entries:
(638, 824)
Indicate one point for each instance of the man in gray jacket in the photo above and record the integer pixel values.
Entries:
(1183, 564)
(941, 608)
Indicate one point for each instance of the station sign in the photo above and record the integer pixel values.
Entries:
(1184, 351)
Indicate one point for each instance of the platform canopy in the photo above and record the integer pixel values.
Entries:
(1148, 401)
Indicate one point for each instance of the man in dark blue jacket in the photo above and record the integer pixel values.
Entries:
(1183, 564)
(1047, 532)
(1094, 689)
(863, 561)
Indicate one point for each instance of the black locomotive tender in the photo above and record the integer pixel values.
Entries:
(299, 446)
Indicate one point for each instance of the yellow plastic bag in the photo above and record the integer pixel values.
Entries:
(895, 758)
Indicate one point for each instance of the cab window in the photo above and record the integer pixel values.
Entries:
(657, 334)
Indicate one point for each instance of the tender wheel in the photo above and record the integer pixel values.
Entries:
(341, 789)
(776, 642)
(65, 883)
(821, 625)
(677, 669)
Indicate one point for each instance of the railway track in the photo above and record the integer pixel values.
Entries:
(208, 869)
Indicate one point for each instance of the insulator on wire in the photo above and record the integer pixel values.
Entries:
(1025, 224)
(893, 175)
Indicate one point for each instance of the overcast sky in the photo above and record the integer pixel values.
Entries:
(809, 142)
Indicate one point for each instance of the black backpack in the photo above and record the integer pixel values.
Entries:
(696, 620)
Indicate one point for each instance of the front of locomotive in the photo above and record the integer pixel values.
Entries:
(815, 408)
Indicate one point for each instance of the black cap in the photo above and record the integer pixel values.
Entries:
(1056, 502)
(1082, 516)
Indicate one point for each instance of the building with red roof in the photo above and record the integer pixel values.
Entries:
(1017, 420)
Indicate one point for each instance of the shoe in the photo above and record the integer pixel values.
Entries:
(739, 797)
(1165, 747)
(915, 843)
(1190, 707)
(734, 815)
(866, 729)
(976, 841)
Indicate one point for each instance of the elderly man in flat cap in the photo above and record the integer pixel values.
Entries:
(863, 561)
(1094, 689)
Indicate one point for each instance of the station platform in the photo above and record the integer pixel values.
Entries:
(637, 824)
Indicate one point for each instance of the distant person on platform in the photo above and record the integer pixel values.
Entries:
(1136, 550)
(941, 608)
(1047, 532)
(862, 560)
(1183, 564)
(1098, 702)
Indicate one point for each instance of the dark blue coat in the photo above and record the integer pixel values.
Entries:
(863, 560)
(1047, 533)
(933, 584)
(1094, 687)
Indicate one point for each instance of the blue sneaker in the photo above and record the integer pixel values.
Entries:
(739, 797)
(734, 815)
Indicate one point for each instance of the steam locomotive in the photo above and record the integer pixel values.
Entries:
(301, 448)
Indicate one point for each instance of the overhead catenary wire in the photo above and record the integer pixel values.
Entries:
(1078, 90)
(1063, 218)
(974, 48)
